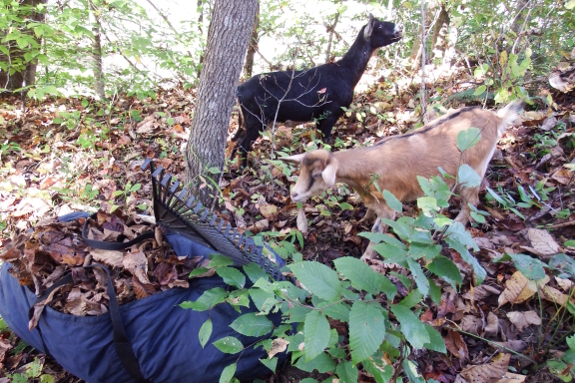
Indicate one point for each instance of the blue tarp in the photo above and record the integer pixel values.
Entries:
(164, 336)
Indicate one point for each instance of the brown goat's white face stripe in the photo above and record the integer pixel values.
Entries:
(317, 174)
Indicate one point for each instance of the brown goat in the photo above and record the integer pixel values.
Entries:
(395, 162)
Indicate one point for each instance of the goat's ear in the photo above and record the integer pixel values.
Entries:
(329, 173)
(369, 27)
(295, 158)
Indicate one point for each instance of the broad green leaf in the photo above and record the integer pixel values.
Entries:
(468, 177)
(434, 292)
(479, 91)
(254, 272)
(444, 267)
(392, 201)
(347, 372)
(571, 342)
(466, 139)
(411, 327)
(322, 363)
(363, 277)
(428, 205)
(316, 332)
(403, 227)
(232, 277)
(436, 342)
(458, 246)
(417, 251)
(270, 363)
(530, 267)
(339, 311)
(381, 373)
(420, 278)
(228, 373)
(207, 300)
(229, 345)
(457, 232)
(251, 324)
(318, 279)
(391, 253)
(219, 260)
(366, 330)
(570, 4)
(564, 263)
(410, 369)
(413, 298)
(205, 332)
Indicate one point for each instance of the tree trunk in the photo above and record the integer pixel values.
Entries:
(416, 49)
(228, 37)
(451, 43)
(331, 30)
(439, 34)
(25, 74)
(99, 87)
(252, 46)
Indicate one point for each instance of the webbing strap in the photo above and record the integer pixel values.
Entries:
(105, 245)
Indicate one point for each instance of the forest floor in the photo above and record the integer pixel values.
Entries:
(64, 155)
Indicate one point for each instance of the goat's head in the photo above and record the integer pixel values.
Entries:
(317, 173)
(381, 33)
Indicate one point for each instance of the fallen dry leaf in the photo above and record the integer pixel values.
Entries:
(510, 377)
(301, 221)
(471, 324)
(113, 258)
(565, 284)
(456, 345)
(552, 294)
(137, 264)
(269, 211)
(487, 373)
(278, 345)
(522, 319)
(542, 241)
(518, 289)
(492, 327)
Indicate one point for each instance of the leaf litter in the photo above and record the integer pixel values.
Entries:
(69, 170)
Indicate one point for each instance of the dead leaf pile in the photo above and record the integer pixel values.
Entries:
(40, 257)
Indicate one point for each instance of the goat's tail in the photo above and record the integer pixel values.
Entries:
(508, 115)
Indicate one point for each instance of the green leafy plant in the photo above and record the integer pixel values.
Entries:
(534, 269)
(354, 294)
(33, 373)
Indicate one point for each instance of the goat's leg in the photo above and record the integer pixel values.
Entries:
(378, 227)
(326, 124)
(468, 196)
(251, 134)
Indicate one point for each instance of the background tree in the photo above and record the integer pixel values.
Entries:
(18, 38)
(228, 36)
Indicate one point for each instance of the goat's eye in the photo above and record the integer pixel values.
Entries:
(317, 175)
(381, 26)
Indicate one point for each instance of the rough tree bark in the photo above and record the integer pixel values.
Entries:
(252, 46)
(228, 36)
(99, 87)
(26, 75)
(440, 29)
(416, 49)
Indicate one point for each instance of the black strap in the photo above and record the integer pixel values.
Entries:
(105, 245)
(121, 341)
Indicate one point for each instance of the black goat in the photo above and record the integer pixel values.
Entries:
(314, 94)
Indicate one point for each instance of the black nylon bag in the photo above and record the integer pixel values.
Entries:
(163, 336)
